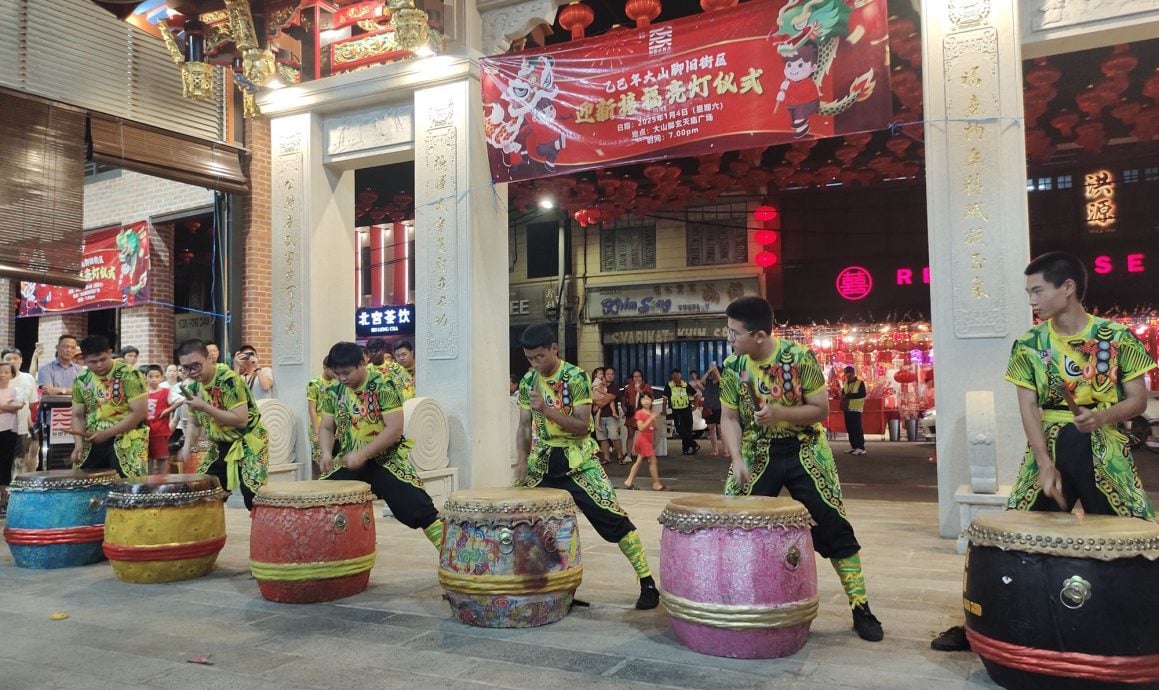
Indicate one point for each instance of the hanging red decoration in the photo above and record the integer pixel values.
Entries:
(1091, 102)
(1039, 147)
(576, 17)
(765, 213)
(643, 12)
(905, 376)
(1120, 62)
(1064, 122)
(763, 237)
(185, 256)
(403, 199)
(713, 5)
(1151, 86)
(1043, 74)
(846, 154)
(1091, 136)
(367, 196)
(766, 259)
(898, 144)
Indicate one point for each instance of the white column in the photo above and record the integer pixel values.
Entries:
(461, 286)
(978, 228)
(312, 217)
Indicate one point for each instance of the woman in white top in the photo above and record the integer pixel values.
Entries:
(11, 402)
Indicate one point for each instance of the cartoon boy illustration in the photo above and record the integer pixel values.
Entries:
(544, 141)
(798, 91)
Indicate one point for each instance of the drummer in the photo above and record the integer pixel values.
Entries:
(555, 396)
(1073, 455)
(364, 411)
(109, 407)
(222, 407)
(773, 400)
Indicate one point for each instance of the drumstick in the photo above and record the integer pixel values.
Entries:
(1070, 401)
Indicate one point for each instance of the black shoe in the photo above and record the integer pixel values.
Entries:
(952, 640)
(866, 624)
(649, 595)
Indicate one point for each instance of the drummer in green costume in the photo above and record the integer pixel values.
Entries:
(109, 407)
(556, 398)
(222, 407)
(1100, 364)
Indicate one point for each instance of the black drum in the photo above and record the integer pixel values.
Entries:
(1056, 601)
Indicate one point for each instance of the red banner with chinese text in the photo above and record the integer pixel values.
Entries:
(762, 73)
(115, 265)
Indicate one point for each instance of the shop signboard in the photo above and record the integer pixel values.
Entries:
(534, 302)
(115, 266)
(667, 300)
(391, 319)
(190, 326)
(60, 421)
(631, 334)
(754, 75)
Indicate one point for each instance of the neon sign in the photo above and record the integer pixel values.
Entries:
(1104, 264)
(854, 283)
(1099, 191)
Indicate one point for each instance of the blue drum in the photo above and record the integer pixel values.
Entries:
(56, 519)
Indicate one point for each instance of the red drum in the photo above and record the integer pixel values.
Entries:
(312, 541)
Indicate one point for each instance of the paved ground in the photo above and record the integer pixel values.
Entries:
(399, 632)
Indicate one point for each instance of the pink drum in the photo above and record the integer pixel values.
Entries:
(738, 576)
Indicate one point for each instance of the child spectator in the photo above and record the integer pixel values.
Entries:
(645, 420)
(159, 418)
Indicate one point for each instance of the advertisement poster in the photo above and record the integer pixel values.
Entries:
(115, 264)
(762, 73)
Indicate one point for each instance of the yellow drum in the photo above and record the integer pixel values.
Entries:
(510, 557)
(164, 527)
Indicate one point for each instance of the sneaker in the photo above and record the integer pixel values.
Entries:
(649, 595)
(866, 624)
(952, 640)
(857, 451)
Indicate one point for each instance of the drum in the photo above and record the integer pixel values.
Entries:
(1062, 601)
(164, 527)
(738, 575)
(312, 541)
(56, 519)
(510, 557)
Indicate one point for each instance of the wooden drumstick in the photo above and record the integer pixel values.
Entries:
(1070, 401)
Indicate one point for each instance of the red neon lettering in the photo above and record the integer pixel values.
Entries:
(1135, 263)
(926, 275)
(905, 276)
(1103, 265)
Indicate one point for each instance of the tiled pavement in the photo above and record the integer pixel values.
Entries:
(399, 633)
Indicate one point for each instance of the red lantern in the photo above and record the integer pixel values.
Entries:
(1091, 136)
(1043, 74)
(643, 12)
(905, 376)
(1091, 102)
(764, 213)
(713, 5)
(185, 256)
(575, 17)
(766, 259)
(1120, 62)
(765, 236)
(1064, 122)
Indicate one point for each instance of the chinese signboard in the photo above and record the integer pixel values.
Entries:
(854, 283)
(687, 298)
(395, 319)
(1099, 192)
(761, 73)
(115, 265)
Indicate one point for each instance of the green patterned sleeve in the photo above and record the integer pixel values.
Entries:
(525, 389)
(134, 385)
(328, 401)
(78, 396)
(312, 391)
(1133, 358)
(812, 377)
(233, 390)
(730, 382)
(1019, 370)
(581, 390)
(389, 396)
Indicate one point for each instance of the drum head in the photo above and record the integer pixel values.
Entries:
(703, 511)
(1104, 537)
(164, 489)
(64, 479)
(498, 502)
(313, 493)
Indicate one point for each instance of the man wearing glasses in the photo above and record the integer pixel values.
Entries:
(222, 407)
(773, 400)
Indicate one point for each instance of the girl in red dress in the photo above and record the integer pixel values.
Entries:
(645, 425)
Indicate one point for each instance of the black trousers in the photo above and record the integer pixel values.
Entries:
(219, 469)
(8, 445)
(1076, 464)
(102, 456)
(683, 420)
(411, 505)
(832, 535)
(611, 527)
(854, 429)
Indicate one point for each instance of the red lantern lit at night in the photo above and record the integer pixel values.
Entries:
(766, 259)
(765, 213)
(764, 237)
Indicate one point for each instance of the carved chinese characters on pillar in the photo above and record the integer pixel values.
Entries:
(442, 324)
(288, 223)
(972, 102)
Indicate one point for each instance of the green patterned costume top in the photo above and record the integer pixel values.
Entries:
(315, 390)
(398, 375)
(106, 401)
(360, 415)
(248, 458)
(1093, 364)
(786, 378)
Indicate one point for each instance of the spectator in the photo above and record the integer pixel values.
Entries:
(852, 403)
(378, 353)
(404, 354)
(259, 379)
(601, 400)
(696, 384)
(214, 352)
(513, 385)
(57, 376)
(645, 422)
(26, 450)
(11, 402)
(677, 392)
(34, 361)
(172, 377)
(160, 419)
(619, 432)
(711, 398)
(130, 355)
(630, 397)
